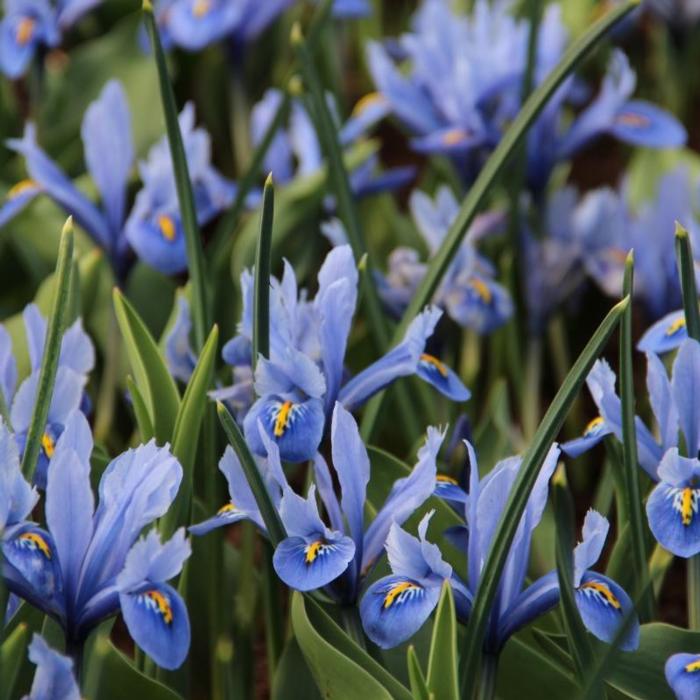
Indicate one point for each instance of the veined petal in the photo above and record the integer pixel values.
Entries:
(158, 238)
(588, 551)
(662, 401)
(157, 620)
(34, 569)
(296, 427)
(228, 514)
(478, 302)
(444, 379)
(683, 675)
(449, 489)
(309, 563)
(592, 434)
(291, 371)
(672, 512)
(685, 384)
(17, 497)
(54, 679)
(665, 335)
(394, 608)
(644, 124)
(604, 606)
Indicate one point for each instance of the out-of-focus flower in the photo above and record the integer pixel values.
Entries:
(195, 24)
(29, 25)
(54, 678)
(296, 150)
(679, 13)
(665, 335)
(89, 565)
(460, 82)
(468, 292)
(395, 607)
(76, 360)
(304, 376)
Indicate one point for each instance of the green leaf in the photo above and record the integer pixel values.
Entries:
(119, 679)
(442, 662)
(261, 300)
(419, 687)
(686, 268)
(12, 654)
(154, 381)
(293, 679)
(341, 669)
(188, 212)
(640, 674)
(489, 175)
(327, 132)
(143, 419)
(268, 512)
(637, 521)
(188, 426)
(52, 350)
(527, 474)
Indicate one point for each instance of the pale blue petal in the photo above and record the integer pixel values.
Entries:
(53, 679)
(685, 384)
(683, 675)
(588, 551)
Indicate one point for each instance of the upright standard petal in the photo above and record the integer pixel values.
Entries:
(588, 551)
(685, 384)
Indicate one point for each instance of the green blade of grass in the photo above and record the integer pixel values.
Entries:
(527, 474)
(490, 173)
(686, 269)
(268, 512)
(261, 299)
(340, 181)
(188, 212)
(629, 446)
(52, 350)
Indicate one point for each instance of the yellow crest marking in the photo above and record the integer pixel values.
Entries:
(283, 417)
(201, 8)
(228, 508)
(674, 327)
(593, 426)
(20, 187)
(693, 666)
(48, 445)
(37, 541)
(25, 30)
(167, 227)
(434, 362)
(396, 590)
(443, 478)
(162, 604)
(633, 120)
(312, 551)
(481, 289)
(453, 137)
(604, 591)
(367, 101)
(686, 504)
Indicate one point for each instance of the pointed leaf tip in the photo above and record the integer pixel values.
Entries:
(681, 231)
(296, 36)
(147, 6)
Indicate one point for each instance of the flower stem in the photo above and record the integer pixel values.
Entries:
(74, 649)
(487, 678)
(694, 592)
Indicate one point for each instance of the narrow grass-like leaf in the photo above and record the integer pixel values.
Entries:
(261, 299)
(188, 211)
(188, 426)
(52, 350)
(419, 687)
(686, 269)
(527, 474)
(270, 516)
(576, 633)
(442, 661)
(154, 381)
(629, 447)
(143, 419)
(490, 173)
(12, 653)
(328, 135)
(218, 247)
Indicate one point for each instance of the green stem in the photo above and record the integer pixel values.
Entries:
(694, 592)
(487, 679)
(352, 624)
(274, 633)
(104, 408)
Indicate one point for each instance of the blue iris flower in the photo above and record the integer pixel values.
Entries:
(468, 291)
(665, 335)
(76, 360)
(315, 555)
(300, 383)
(195, 24)
(683, 675)
(54, 678)
(672, 507)
(153, 228)
(296, 150)
(89, 564)
(460, 81)
(29, 25)
(395, 607)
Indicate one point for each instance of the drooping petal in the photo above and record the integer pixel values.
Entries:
(17, 497)
(8, 367)
(604, 606)
(158, 622)
(665, 335)
(672, 512)
(18, 197)
(685, 384)
(643, 124)
(306, 564)
(592, 435)
(400, 362)
(588, 551)
(296, 427)
(662, 401)
(444, 379)
(406, 495)
(109, 151)
(394, 608)
(683, 675)
(53, 679)
(157, 235)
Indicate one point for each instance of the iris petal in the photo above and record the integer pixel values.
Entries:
(683, 675)
(394, 608)
(158, 622)
(309, 563)
(673, 518)
(445, 380)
